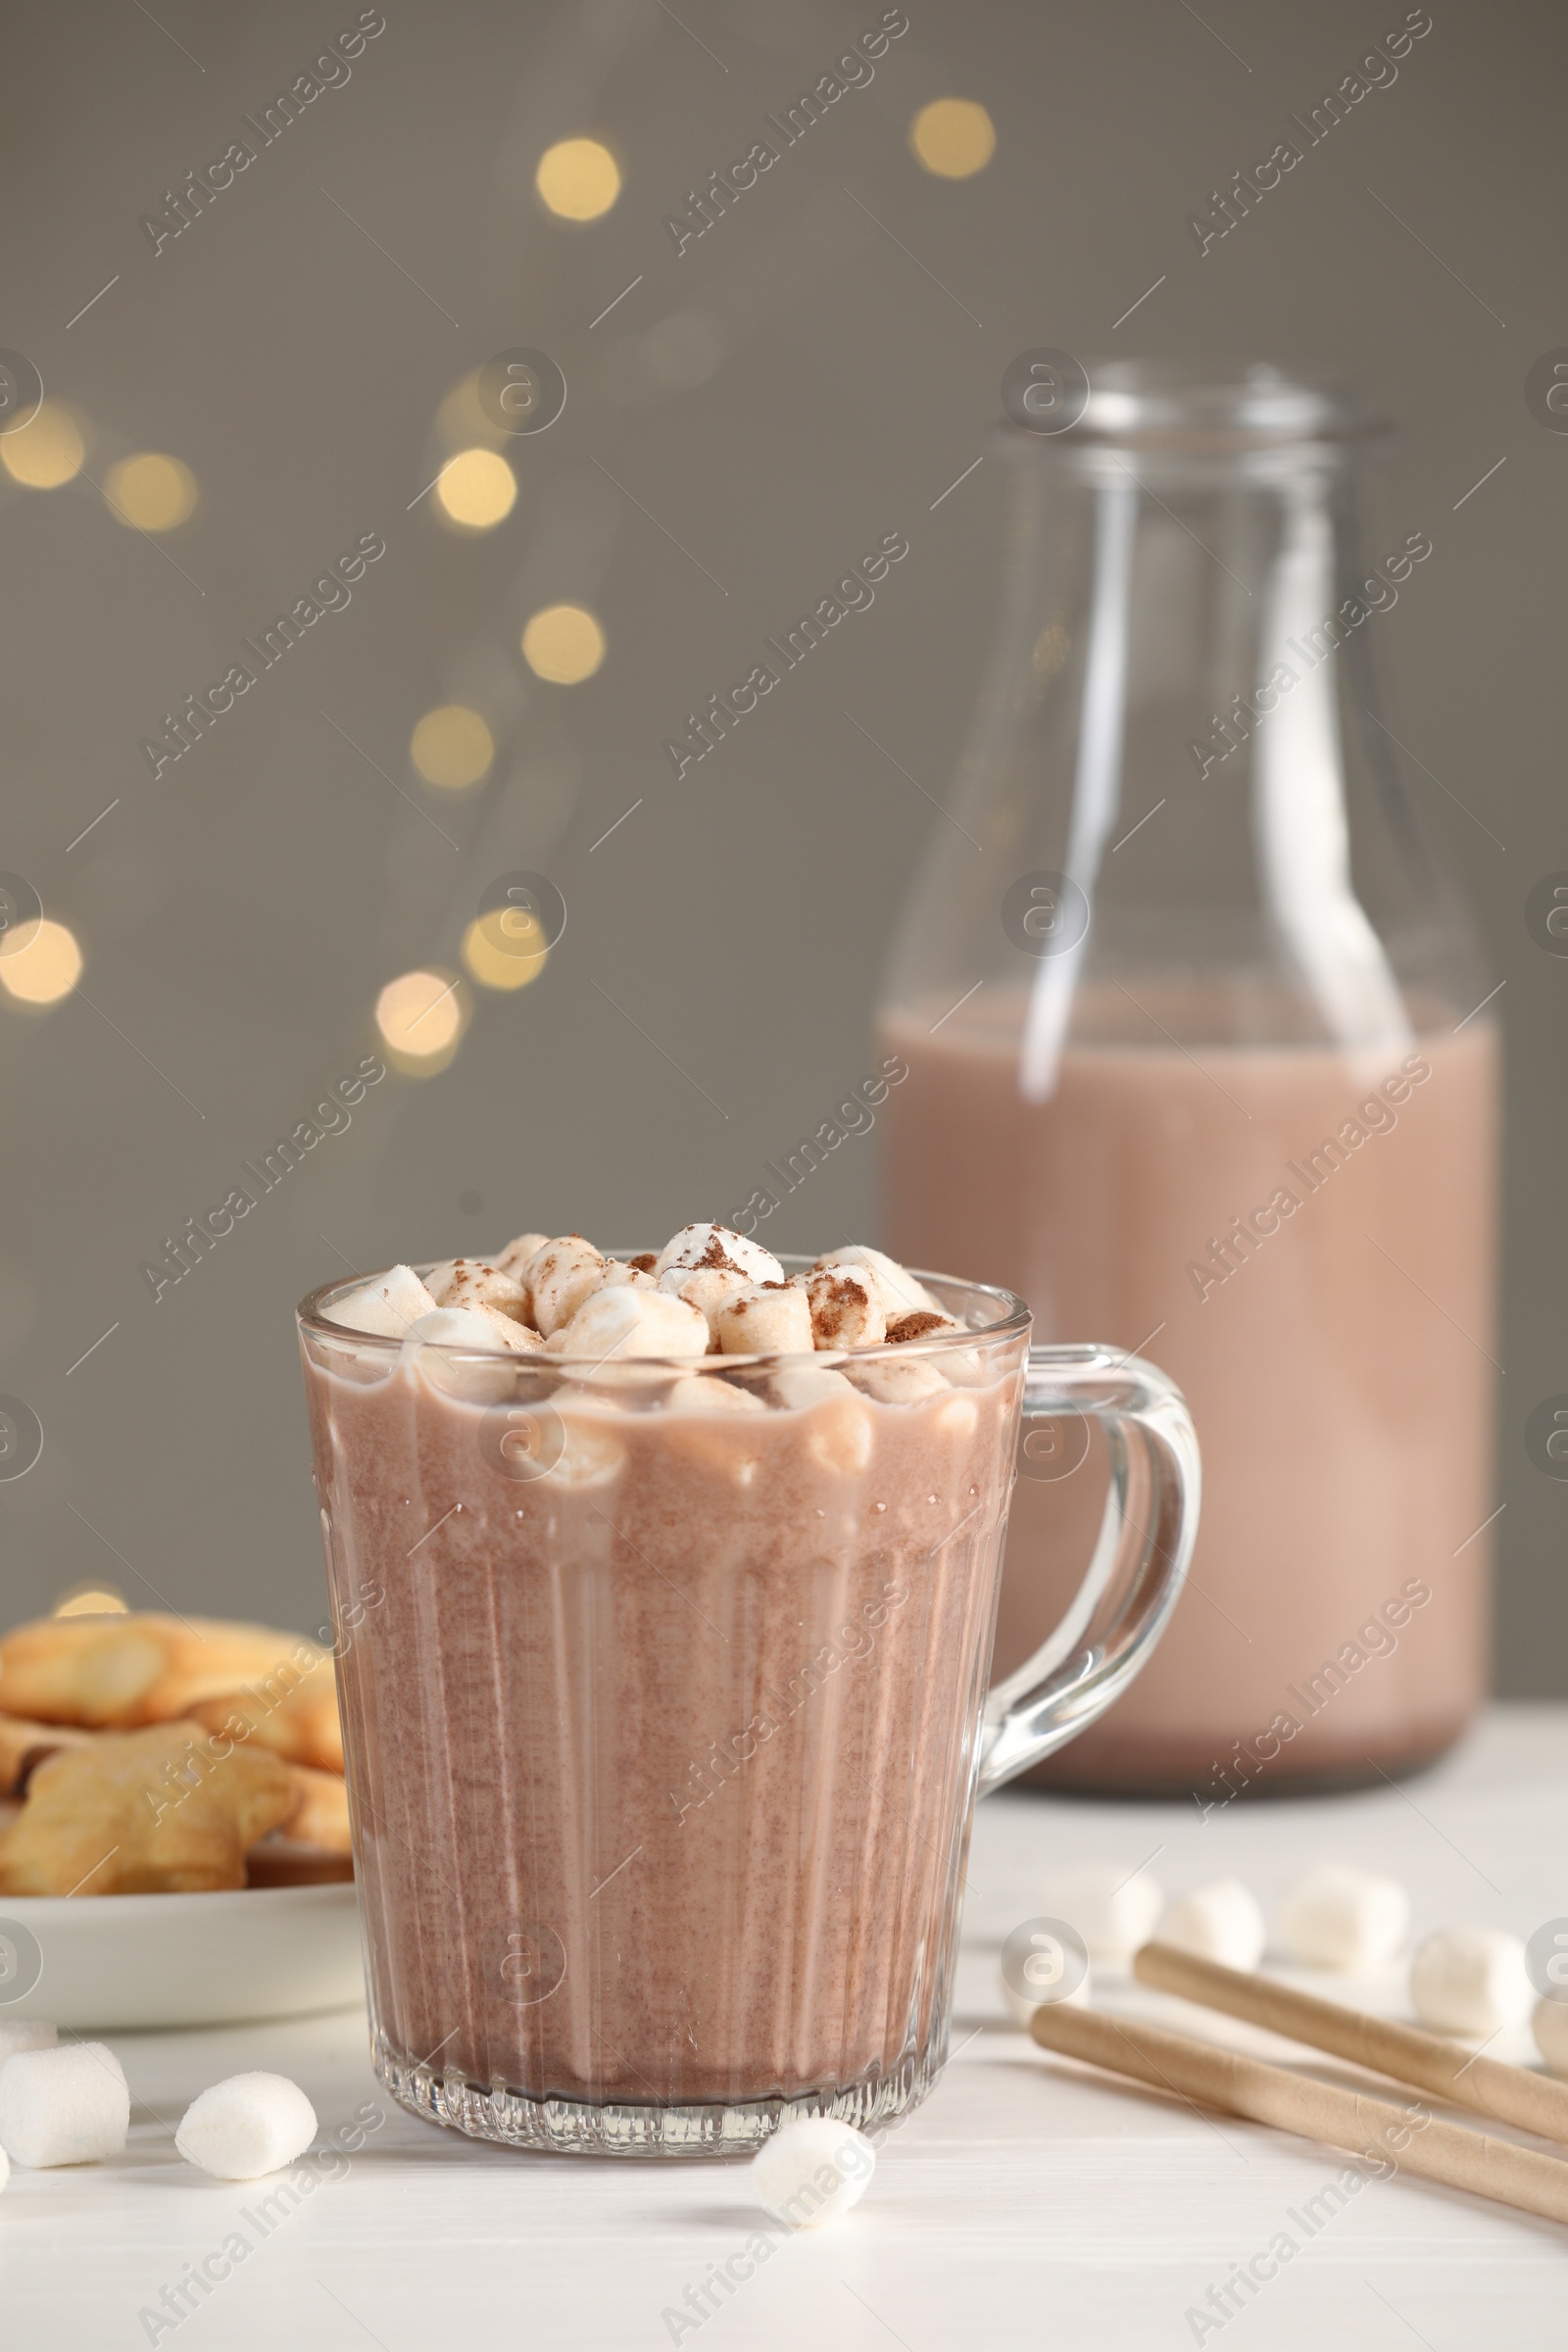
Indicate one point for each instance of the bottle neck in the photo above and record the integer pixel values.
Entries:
(1181, 724)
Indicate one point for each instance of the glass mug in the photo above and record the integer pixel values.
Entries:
(665, 1712)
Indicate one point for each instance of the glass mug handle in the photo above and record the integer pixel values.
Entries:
(1146, 1540)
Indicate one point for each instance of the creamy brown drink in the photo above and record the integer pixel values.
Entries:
(664, 1740)
(1311, 1241)
(661, 1746)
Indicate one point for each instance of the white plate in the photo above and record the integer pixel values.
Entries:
(119, 1960)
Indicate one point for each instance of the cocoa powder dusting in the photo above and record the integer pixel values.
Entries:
(914, 1326)
(835, 1301)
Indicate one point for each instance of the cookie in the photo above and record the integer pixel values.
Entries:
(299, 1723)
(118, 1673)
(169, 1809)
(312, 1846)
(23, 1744)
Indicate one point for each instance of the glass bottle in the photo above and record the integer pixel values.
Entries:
(1200, 1062)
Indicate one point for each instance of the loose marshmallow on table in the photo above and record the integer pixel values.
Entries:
(813, 2171)
(622, 1321)
(899, 1293)
(768, 1319)
(1339, 1917)
(473, 1327)
(385, 1309)
(558, 1278)
(69, 2105)
(718, 1246)
(1549, 2025)
(1219, 1922)
(1466, 1981)
(1114, 1909)
(24, 2034)
(846, 1309)
(247, 2126)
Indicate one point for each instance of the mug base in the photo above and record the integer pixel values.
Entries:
(702, 2129)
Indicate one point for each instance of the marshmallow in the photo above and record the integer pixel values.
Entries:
(895, 1383)
(521, 1339)
(515, 1255)
(1549, 2025)
(386, 1306)
(591, 1455)
(845, 1304)
(1468, 1980)
(718, 1246)
(801, 1386)
(705, 1427)
(767, 1319)
(901, 1294)
(474, 1282)
(1219, 1922)
(24, 2034)
(558, 1278)
(702, 1393)
(707, 1290)
(247, 2126)
(622, 1321)
(473, 1327)
(920, 1323)
(813, 2171)
(1343, 1917)
(635, 1278)
(957, 1418)
(838, 1428)
(1112, 1908)
(70, 2105)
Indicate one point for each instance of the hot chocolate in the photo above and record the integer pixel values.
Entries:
(1305, 1243)
(662, 1741)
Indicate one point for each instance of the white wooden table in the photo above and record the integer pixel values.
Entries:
(1026, 2204)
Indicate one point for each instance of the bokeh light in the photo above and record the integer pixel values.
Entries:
(505, 949)
(452, 747)
(419, 1015)
(91, 1601)
(564, 643)
(954, 137)
(47, 452)
(476, 490)
(40, 962)
(152, 492)
(578, 179)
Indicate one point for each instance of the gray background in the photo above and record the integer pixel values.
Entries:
(791, 387)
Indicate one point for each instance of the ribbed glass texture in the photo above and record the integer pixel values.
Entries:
(662, 1734)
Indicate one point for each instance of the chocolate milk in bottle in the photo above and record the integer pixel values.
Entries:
(1200, 1063)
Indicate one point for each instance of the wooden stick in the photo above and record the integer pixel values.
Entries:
(1406, 2138)
(1510, 2094)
